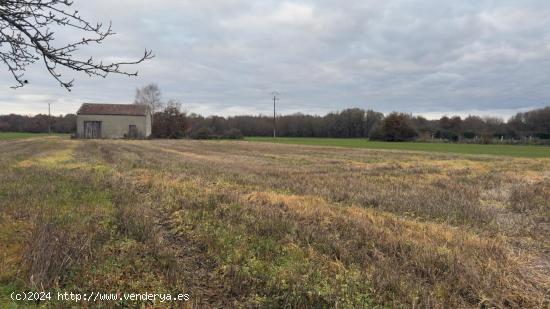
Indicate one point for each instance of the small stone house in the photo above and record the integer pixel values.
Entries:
(95, 121)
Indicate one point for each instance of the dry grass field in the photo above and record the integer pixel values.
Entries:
(240, 224)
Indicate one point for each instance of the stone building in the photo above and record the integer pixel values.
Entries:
(96, 121)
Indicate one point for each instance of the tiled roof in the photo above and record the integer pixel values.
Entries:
(113, 109)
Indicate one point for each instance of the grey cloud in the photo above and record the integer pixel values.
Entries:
(224, 57)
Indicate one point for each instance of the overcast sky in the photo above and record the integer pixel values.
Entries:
(224, 57)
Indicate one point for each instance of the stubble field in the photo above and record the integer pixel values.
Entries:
(241, 224)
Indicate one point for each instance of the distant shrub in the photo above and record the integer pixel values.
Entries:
(542, 135)
(469, 135)
(447, 135)
(486, 138)
(233, 134)
(397, 127)
(376, 133)
(202, 133)
(208, 133)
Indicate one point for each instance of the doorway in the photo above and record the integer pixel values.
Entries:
(92, 129)
(132, 131)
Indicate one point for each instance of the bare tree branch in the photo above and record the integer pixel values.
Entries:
(26, 37)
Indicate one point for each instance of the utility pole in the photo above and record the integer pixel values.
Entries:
(49, 119)
(275, 95)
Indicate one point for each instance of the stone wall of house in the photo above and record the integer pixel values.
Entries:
(116, 126)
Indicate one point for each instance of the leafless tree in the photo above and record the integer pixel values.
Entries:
(26, 36)
(175, 104)
(149, 95)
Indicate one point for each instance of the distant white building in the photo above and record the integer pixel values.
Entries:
(96, 121)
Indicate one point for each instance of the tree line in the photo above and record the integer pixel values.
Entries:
(38, 124)
(171, 121)
(359, 123)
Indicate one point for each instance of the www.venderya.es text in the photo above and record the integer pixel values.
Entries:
(99, 297)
